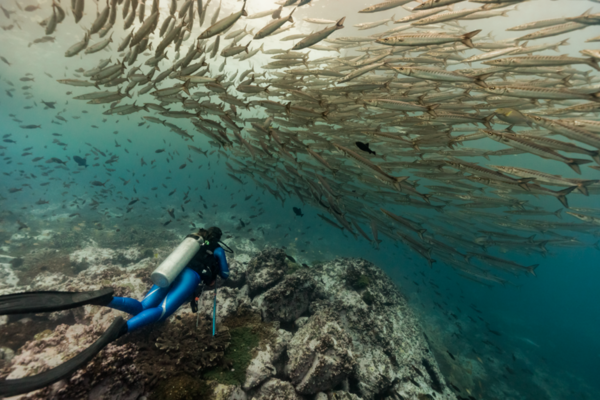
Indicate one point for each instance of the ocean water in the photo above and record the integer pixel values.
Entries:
(536, 337)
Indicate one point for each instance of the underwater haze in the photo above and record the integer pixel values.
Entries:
(473, 184)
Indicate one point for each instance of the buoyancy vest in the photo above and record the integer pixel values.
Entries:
(205, 263)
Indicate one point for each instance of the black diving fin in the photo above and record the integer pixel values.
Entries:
(39, 302)
(13, 387)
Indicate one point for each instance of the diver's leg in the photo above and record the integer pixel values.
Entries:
(126, 304)
(179, 291)
(155, 295)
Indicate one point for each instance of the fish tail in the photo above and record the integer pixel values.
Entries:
(466, 38)
(185, 87)
(592, 62)
(567, 80)
(530, 238)
(523, 182)
(576, 162)
(431, 109)
(486, 120)
(557, 213)
(531, 269)
(596, 156)
(562, 195)
(479, 80)
(340, 23)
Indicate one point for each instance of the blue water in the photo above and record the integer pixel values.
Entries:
(550, 323)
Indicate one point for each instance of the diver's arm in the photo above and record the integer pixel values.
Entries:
(220, 254)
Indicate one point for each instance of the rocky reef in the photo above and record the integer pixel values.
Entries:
(338, 330)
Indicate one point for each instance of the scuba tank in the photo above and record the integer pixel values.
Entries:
(170, 268)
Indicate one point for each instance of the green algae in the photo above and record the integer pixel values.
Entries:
(361, 283)
(181, 387)
(237, 357)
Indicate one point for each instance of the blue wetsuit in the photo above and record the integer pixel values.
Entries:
(160, 303)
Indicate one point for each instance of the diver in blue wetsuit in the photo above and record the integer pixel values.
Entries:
(198, 259)
(160, 302)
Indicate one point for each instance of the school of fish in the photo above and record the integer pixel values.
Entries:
(377, 132)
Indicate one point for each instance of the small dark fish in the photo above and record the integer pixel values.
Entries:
(172, 192)
(80, 161)
(159, 150)
(21, 225)
(182, 166)
(242, 223)
(30, 126)
(98, 183)
(133, 202)
(453, 386)
(167, 223)
(74, 214)
(40, 202)
(14, 190)
(55, 160)
(49, 104)
(298, 211)
(365, 147)
(450, 354)
(171, 212)
(292, 259)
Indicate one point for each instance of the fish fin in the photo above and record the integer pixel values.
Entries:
(340, 23)
(466, 38)
(523, 182)
(574, 163)
(531, 269)
(557, 213)
(562, 195)
(479, 80)
(431, 109)
(592, 62)
(486, 120)
(185, 87)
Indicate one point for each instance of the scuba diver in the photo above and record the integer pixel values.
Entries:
(198, 259)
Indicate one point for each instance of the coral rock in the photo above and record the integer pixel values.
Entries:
(320, 355)
(274, 389)
(287, 300)
(265, 270)
(262, 365)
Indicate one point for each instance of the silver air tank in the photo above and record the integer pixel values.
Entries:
(170, 268)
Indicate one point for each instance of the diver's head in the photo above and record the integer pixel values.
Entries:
(203, 233)
(213, 234)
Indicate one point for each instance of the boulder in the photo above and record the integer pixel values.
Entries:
(262, 365)
(320, 355)
(238, 266)
(287, 300)
(275, 389)
(265, 270)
